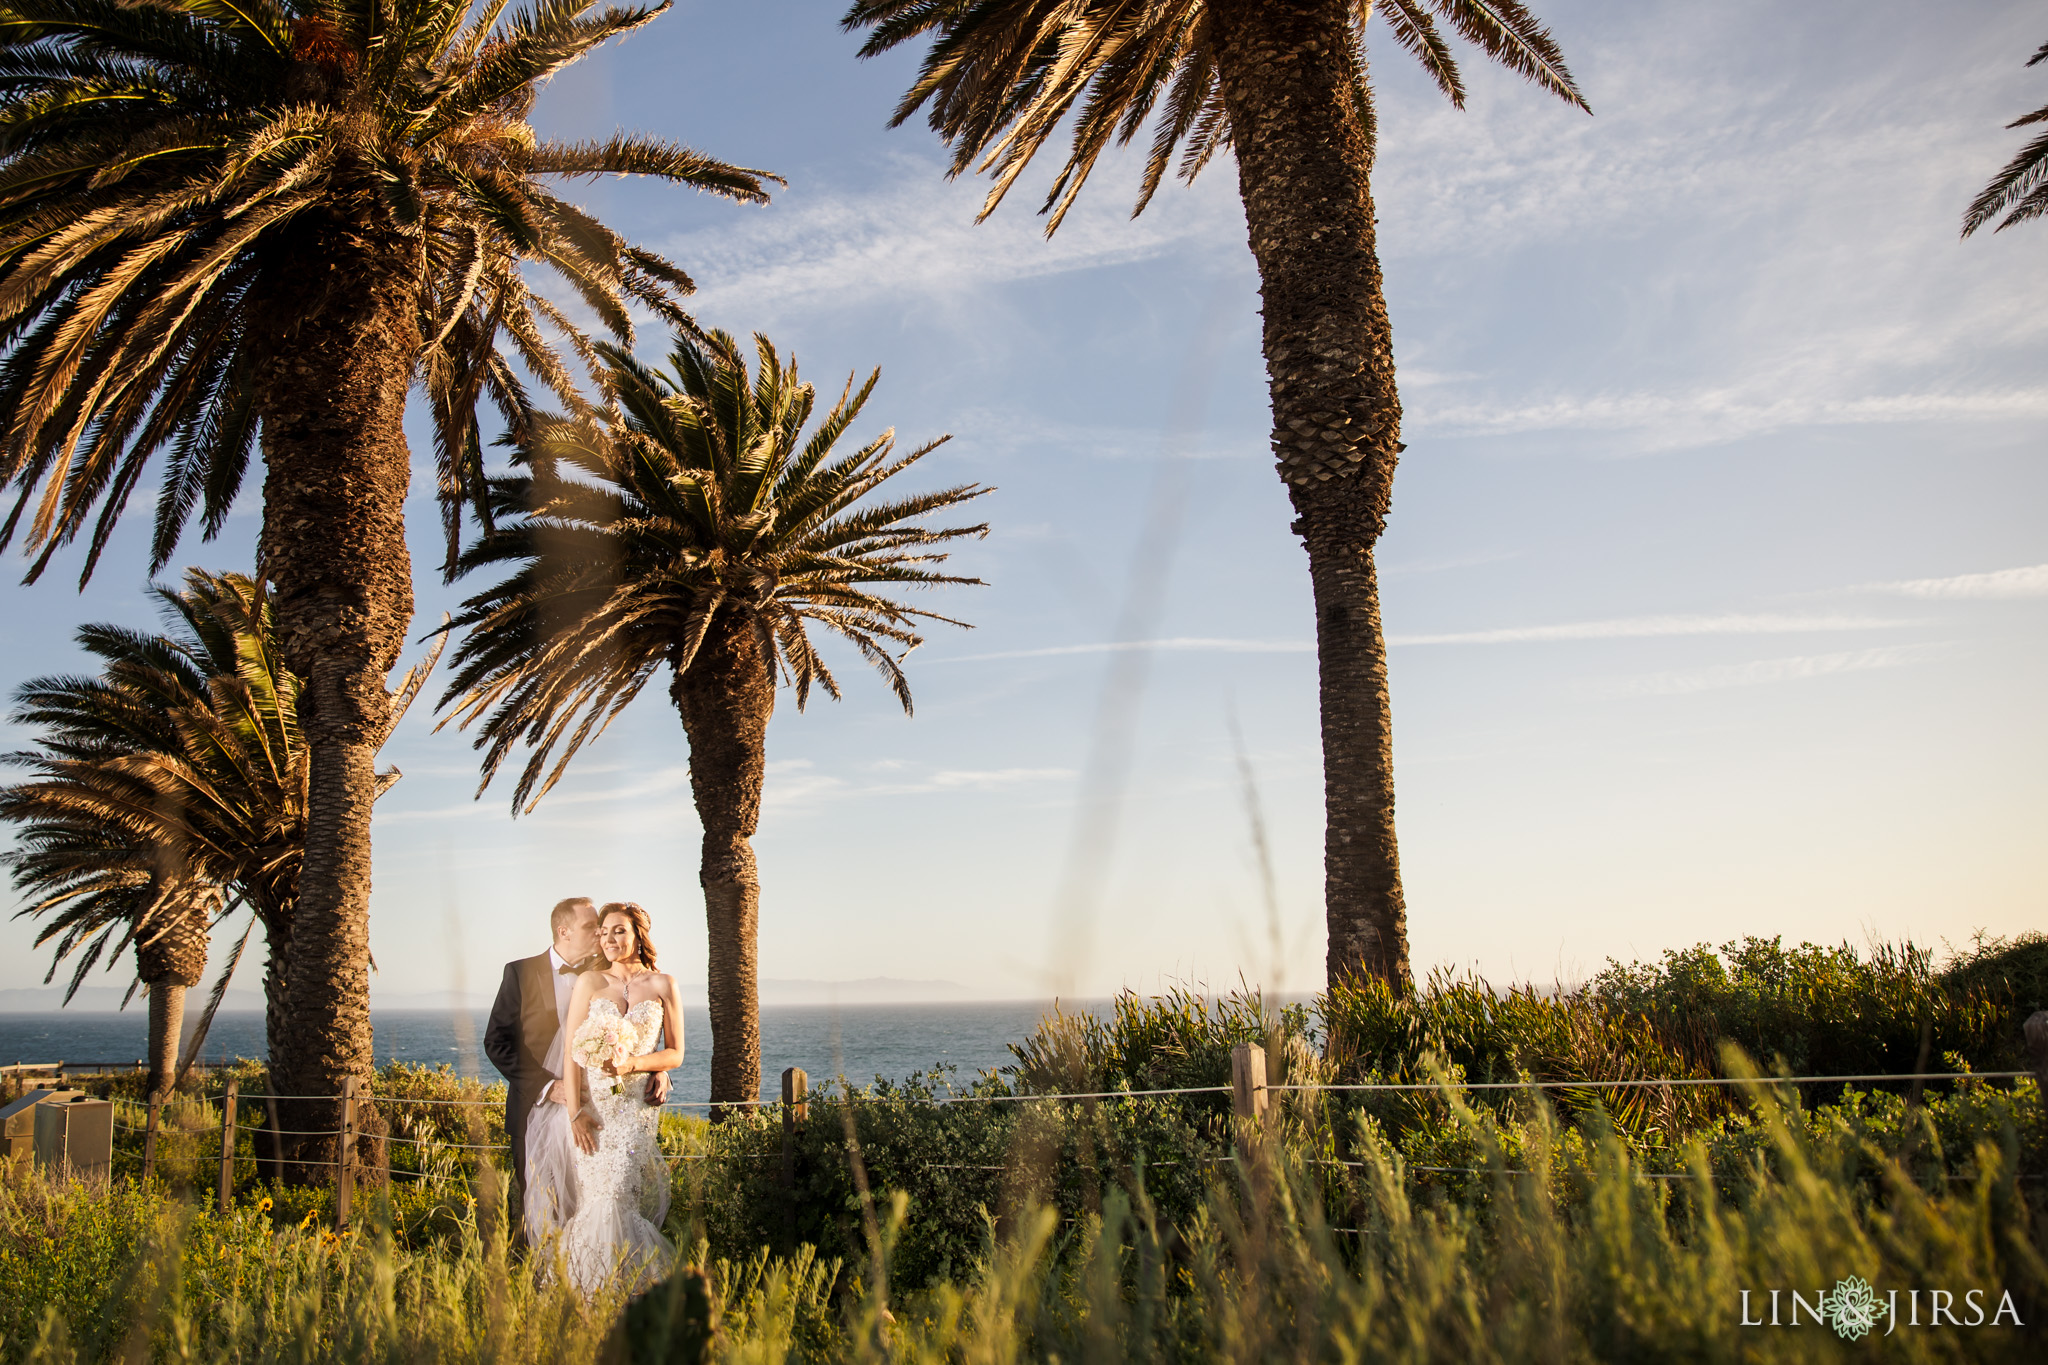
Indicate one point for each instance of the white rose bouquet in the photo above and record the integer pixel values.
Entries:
(599, 1041)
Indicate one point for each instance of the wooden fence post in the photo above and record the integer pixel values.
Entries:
(1248, 1081)
(345, 1158)
(2037, 1058)
(227, 1142)
(796, 1107)
(149, 1139)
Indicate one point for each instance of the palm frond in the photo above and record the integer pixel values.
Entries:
(156, 163)
(708, 501)
(2020, 189)
(1001, 77)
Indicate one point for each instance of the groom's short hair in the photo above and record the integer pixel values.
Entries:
(567, 910)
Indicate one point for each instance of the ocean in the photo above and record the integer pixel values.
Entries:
(861, 1042)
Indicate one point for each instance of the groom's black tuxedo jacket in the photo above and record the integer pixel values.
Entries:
(523, 1024)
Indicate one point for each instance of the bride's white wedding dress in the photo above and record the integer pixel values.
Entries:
(622, 1187)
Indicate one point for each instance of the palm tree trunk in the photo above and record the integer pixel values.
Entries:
(166, 1024)
(275, 972)
(726, 697)
(332, 398)
(1304, 158)
(170, 958)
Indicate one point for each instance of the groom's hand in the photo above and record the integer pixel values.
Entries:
(657, 1088)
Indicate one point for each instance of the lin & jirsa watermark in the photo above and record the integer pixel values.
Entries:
(1853, 1308)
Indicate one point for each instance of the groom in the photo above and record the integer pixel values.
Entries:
(532, 1007)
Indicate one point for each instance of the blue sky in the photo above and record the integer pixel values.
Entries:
(1716, 574)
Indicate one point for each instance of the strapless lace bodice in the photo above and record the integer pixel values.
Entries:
(642, 1020)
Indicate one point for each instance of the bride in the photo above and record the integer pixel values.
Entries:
(616, 1015)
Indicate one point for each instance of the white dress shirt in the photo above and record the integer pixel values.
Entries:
(564, 987)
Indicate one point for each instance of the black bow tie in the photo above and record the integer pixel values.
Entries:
(574, 968)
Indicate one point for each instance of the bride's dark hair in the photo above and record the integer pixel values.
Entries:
(640, 925)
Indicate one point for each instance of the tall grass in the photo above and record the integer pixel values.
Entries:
(121, 1273)
(1565, 1224)
(1583, 1260)
(1565, 1250)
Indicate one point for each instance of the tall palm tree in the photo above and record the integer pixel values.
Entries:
(1282, 84)
(2020, 191)
(695, 528)
(166, 792)
(268, 221)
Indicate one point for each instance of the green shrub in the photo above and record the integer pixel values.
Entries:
(971, 1164)
(1824, 1011)
(1488, 1037)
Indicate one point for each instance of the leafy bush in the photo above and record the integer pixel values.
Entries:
(1486, 1036)
(1820, 1011)
(974, 1165)
(964, 1168)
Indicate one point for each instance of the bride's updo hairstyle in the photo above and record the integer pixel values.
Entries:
(640, 923)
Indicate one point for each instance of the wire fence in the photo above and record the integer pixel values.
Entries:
(1249, 1092)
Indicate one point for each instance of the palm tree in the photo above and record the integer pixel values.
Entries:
(1282, 84)
(2020, 191)
(694, 529)
(269, 220)
(167, 792)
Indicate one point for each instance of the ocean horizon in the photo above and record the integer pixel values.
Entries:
(861, 1041)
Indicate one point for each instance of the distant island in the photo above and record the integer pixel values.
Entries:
(870, 990)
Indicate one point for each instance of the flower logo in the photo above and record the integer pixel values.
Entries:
(1852, 1309)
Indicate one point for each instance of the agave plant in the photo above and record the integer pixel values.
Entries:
(167, 793)
(695, 530)
(233, 222)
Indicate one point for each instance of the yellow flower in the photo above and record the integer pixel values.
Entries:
(307, 1221)
(263, 1204)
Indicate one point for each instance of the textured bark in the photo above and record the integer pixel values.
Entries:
(1304, 165)
(340, 347)
(166, 1022)
(170, 958)
(726, 697)
(269, 1147)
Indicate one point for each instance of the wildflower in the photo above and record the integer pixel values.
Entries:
(263, 1204)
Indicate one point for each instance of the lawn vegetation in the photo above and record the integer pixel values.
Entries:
(1441, 1224)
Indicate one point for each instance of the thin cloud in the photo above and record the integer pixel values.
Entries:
(917, 237)
(1761, 672)
(1471, 561)
(492, 801)
(988, 779)
(1645, 627)
(1755, 326)
(1179, 644)
(997, 432)
(1707, 417)
(2031, 581)
(808, 789)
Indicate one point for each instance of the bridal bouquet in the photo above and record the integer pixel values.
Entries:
(599, 1041)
